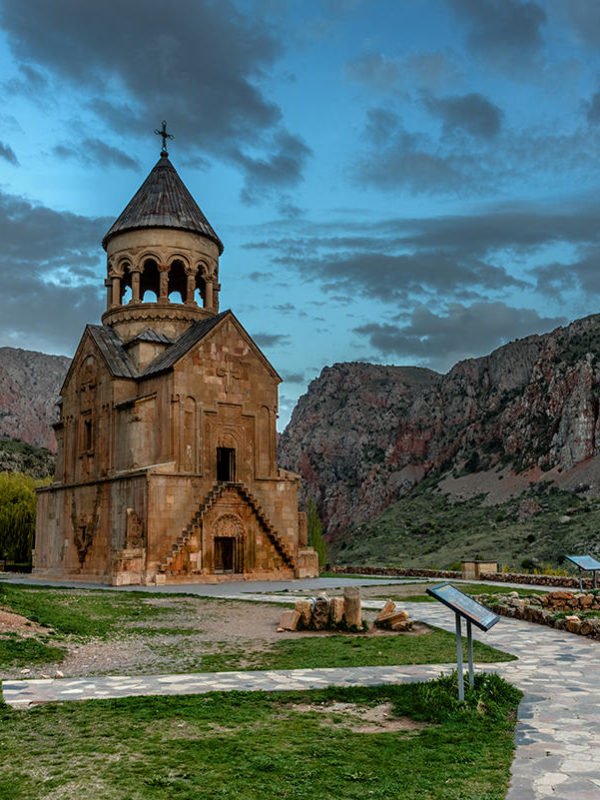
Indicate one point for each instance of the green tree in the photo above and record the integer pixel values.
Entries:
(315, 532)
(17, 516)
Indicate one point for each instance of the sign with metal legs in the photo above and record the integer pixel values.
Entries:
(588, 563)
(474, 613)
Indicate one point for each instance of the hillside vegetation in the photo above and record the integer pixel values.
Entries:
(430, 529)
(16, 456)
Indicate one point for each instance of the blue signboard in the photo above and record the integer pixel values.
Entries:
(584, 562)
(464, 605)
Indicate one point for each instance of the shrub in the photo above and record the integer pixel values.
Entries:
(315, 532)
(17, 516)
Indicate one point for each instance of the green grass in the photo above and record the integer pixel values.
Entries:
(82, 612)
(307, 652)
(255, 746)
(17, 650)
(427, 529)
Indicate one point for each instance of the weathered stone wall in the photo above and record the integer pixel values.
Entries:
(81, 529)
(561, 610)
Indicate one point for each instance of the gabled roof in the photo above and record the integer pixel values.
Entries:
(163, 201)
(119, 363)
(185, 342)
(192, 336)
(148, 335)
(115, 355)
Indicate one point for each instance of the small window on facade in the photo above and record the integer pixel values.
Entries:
(87, 435)
(225, 464)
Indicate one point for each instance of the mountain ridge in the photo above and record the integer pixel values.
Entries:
(361, 439)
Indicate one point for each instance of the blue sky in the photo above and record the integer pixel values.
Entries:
(396, 181)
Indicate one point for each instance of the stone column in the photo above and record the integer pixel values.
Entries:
(135, 286)
(208, 295)
(191, 272)
(163, 296)
(116, 290)
(108, 284)
(352, 608)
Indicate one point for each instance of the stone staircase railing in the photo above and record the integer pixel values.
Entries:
(207, 503)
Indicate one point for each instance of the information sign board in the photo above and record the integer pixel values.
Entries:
(464, 605)
(584, 562)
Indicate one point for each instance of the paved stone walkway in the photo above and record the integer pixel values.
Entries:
(558, 732)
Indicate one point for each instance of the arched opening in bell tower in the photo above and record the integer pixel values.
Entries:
(150, 282)
(177, 282)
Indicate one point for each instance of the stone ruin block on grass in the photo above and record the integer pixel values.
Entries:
(341, 614)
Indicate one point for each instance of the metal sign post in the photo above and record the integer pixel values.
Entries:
(474, 613)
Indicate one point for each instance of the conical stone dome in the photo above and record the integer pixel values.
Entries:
(163, 201)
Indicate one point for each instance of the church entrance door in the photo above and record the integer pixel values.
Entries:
(224, 550)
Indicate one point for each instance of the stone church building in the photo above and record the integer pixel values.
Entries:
(166, 468)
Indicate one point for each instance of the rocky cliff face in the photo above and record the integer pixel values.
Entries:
(364, 435)
(29, 388)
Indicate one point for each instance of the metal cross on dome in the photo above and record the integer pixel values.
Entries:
(163, 132)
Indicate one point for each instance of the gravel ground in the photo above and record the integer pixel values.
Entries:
(201, 628)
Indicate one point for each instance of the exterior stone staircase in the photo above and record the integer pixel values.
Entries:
(194, 524)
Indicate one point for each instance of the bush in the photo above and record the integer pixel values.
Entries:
(315, 532)
(17, 516)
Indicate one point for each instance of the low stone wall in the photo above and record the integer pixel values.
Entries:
(496, 577)
(545, 609)
(397, 571)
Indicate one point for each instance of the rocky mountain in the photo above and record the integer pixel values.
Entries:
(365, 435)
(29, 388)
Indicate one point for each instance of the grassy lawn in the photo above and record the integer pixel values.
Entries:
(307, 652)
(80, 612)
(16, 650)
(255, 746)
(76, 616)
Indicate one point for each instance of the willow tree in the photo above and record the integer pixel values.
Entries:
(315, 532)
(17, 516)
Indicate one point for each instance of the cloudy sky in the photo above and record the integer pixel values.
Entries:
(400, 181)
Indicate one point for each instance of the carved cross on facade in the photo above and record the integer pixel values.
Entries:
(230, 373)
(163, 132)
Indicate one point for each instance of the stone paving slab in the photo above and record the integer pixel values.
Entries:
(23, 694)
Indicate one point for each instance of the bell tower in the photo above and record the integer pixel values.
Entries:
(162, 259)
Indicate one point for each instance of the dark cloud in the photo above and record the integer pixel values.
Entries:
(376, 71)
(284, 165)
(556, 279)
(462, 256)
(198, 66)
(506, 32)
(95, 151)
(293, 377)
(399, 158)
(584, 16)
(50, 274)
(472, 113)
(8, 154)
(260, 276)
(394, 277)
(463, 331)
(36, 237)
(431, 71)
(270, 339)
(593, 109)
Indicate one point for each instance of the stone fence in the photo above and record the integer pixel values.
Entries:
(496, 577)
(571, 611)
